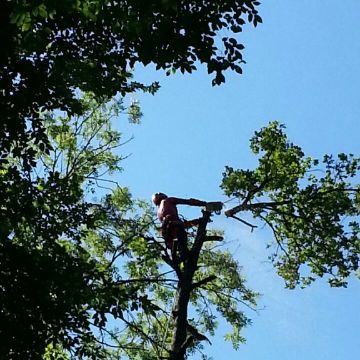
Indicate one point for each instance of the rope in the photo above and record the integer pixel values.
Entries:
(224, 202)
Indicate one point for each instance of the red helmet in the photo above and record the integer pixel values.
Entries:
(157, 197)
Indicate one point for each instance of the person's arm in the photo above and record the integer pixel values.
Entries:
(210, 206)
(191, 202)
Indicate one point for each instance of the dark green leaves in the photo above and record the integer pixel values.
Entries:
(53, 48)
(58, 273)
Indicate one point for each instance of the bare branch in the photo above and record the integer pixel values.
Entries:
(244, 222)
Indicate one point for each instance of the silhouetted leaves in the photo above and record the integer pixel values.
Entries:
(52, 48)
(56, 271)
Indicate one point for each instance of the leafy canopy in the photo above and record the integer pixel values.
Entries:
(56, 278)
(89, 278)
(311, 206)
(50, 49)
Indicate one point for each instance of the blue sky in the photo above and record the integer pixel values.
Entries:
(302, 70)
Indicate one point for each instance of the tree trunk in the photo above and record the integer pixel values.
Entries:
(178, 349)
(181, 341)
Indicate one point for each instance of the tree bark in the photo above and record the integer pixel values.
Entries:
(180, 341)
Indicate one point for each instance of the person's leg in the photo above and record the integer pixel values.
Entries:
(182, 242)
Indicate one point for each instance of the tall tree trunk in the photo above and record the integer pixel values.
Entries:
(181, 341)
(178, 348)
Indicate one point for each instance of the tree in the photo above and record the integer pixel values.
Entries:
(92, 279)
(190, 296)
(51, 49)
(313, 211)
(64, 291)
(51, 277)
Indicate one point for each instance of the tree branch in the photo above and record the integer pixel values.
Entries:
(244, 222)
(203, 281)
(146, 280)
(247, 207)
(213, 238)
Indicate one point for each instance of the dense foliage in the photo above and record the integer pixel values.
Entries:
(49, 278)
(89, 277)
(83, 271)
(49, 49)
(57, 261)
(311, 206)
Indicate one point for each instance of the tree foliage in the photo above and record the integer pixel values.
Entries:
(60, 277)
(89, 278)
(311, 206)
(51, 278)
(52, 48)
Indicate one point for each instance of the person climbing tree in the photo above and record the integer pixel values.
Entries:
(172, 227)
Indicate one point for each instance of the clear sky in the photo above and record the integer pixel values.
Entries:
(302, 70)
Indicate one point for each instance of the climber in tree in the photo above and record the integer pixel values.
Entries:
(172, 227)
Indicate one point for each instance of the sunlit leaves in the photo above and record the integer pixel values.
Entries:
(228, 293)
(58, 255)
(83, 143)
(312, 207)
